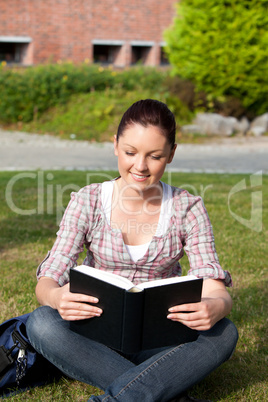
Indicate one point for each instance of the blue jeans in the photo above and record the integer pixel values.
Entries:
(148, 376)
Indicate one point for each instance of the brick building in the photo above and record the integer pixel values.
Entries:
(121, 32)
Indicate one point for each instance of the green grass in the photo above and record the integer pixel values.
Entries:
(25, 240)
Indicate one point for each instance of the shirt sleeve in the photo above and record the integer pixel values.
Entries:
(69, 242)
(200, 245)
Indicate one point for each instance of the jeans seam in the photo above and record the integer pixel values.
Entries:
(155, 363)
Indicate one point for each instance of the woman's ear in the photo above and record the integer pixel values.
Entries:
(115, 146)
(172, 153)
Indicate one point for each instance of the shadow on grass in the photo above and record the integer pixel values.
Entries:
(234, 379)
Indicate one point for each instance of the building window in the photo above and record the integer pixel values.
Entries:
(14, 49)
(141, 51)
(139, 54)
(106, 51)
(105, 54)
(163, 58)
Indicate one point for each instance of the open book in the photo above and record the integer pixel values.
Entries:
(134, 317)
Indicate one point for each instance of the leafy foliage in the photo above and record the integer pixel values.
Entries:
(221, 46)
(90, 116)
(28, 93)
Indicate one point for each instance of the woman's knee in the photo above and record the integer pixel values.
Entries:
(229, 330)
(222, 339)
(231, 335)
(227, 334)
(41, 326)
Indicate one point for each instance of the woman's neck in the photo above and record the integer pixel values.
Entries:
(135, 198)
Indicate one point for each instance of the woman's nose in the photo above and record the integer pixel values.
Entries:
(141, 164)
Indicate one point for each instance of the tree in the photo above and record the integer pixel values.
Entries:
(222, 47)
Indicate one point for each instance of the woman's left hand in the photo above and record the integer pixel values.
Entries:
(215, 304)
(200, 316)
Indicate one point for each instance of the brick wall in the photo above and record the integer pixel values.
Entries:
(66, 29)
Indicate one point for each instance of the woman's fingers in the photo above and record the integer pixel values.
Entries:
(199, 316)
(76, 306)
(78, 311)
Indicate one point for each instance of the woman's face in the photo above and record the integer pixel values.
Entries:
(143, 153)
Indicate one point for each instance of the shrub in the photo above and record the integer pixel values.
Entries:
(194, 100)
(28, 93)
(90, 116)
(221, 46)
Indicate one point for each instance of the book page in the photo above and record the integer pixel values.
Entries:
(105, 276)
(166, 281)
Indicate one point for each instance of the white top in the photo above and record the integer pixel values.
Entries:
(137, 252)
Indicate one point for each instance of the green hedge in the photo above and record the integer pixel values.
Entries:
(221, 46)
(28, 93)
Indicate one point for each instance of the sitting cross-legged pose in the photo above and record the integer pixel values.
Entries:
(138, 227)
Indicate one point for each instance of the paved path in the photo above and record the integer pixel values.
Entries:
(22, 151)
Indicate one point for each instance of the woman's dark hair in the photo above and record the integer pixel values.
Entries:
(150, 112)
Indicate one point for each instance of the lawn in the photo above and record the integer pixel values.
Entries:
(31, 206)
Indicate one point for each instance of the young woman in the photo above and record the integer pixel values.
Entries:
(138, 227)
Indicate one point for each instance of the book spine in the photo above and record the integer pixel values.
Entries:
(132, 322)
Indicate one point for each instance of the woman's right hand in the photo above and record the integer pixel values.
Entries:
(75, 306)
(71, 306)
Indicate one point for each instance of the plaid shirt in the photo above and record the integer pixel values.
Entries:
(84, 224)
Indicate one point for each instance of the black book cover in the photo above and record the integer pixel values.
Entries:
(134, 321)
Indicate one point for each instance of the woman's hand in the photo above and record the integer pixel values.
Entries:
(215, 304)
(75, 306)
(71, 306)
(200, 316)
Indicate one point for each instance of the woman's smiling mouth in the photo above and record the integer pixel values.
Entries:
(139, 177)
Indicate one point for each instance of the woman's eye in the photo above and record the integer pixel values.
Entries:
(155, 157)
(129, 153)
